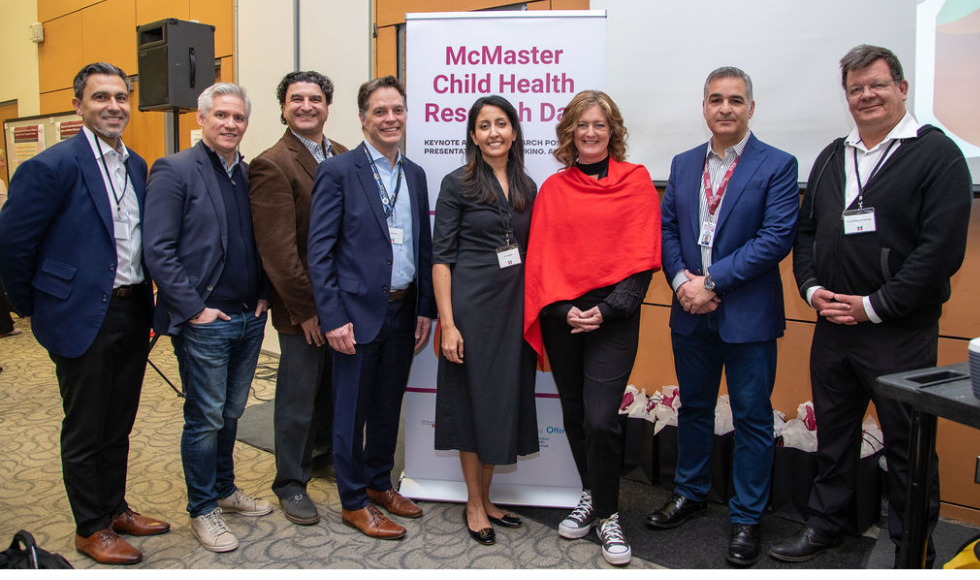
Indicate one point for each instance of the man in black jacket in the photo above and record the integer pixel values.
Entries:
(882, 229)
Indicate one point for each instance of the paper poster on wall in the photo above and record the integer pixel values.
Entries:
(28, 142)
(68, 129)
(538, 61)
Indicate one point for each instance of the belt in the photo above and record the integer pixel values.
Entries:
(125, 291)
(398, 295)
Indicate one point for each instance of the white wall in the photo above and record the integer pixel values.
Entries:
(335, 39)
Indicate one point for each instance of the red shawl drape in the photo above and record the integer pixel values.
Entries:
(586, 234)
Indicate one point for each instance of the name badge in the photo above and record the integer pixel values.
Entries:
(859, 221)
(397, 236)
(508, 256)
(121, 227)
(707, 236)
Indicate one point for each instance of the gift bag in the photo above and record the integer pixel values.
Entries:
(639, 451)
(793, 471)
(636, 425)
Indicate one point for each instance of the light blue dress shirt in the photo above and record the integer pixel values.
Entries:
(403, 266)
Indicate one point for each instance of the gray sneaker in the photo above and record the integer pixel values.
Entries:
(299, 509)
(615, 549)
(213, 533)
(580, 521)
(240, 503)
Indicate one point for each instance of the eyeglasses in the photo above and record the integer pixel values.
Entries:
(876, 87)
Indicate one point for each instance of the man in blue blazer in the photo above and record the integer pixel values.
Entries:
(729, 218)
(70, 257)
(370, 262)
(200, 248)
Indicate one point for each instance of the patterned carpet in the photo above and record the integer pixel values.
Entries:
(32, 495)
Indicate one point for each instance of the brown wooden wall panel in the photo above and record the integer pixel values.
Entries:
(145, 131)
(961, 315)
(51, 9)
(390, 12)
(654, 366)
(539, 5)
(960, 513)
(569, 4)
(56, 101)
(8, 110)
(152, 10)
(796, 307)
(109, 34)
(385, 52)
(220, 14)
(59, 56)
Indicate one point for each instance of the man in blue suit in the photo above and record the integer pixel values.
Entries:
(729, 217)
(201, 251)
(370, 262)
(70, 257)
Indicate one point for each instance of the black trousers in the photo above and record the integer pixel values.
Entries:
(591, 370)
(302, 387)
(6, 322)
(845, 361)
(100, 393)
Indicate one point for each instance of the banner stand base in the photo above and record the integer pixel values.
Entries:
(503, 494)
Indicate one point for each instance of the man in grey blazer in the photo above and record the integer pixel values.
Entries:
(198, 244)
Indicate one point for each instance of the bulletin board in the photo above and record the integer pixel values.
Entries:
(25, 137)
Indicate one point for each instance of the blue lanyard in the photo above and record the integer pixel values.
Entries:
(387, 202)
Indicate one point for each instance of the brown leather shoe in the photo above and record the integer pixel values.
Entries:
(371, 522)
(135, 524)
(105, 547)
(395, 503)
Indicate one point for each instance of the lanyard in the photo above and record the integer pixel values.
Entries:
(857, 172)
(112, 186)
(715, 198)
(387, 202)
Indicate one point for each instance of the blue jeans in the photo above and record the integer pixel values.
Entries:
(217, 362)
(750, 369)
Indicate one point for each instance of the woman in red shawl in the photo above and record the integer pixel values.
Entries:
(594, 245)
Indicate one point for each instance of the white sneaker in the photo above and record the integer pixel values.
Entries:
(240, 503)
(580, 521)
(213, 533)
(615, 549)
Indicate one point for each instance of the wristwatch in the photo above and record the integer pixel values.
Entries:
(709, 284)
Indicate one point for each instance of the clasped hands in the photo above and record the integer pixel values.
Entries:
(694, 297)
(839, 308)
(584, 321)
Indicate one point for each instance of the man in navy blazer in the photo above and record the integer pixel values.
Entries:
(70, 257)
(200, 247)
(729, 218)
(370, 262)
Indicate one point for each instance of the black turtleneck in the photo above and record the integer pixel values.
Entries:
(600, 169)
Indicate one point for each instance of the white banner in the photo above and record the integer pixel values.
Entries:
(538, 61)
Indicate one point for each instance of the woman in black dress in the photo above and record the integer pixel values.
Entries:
(485, 398)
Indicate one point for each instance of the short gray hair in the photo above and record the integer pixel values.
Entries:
(206, 100)
(729, 72)
(865, 55)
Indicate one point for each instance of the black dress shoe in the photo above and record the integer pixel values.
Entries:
(743, 545)
(803, 546)
(673, 513)
(507, 521)
(486, 536)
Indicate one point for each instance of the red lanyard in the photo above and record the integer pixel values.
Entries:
(715, 198)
